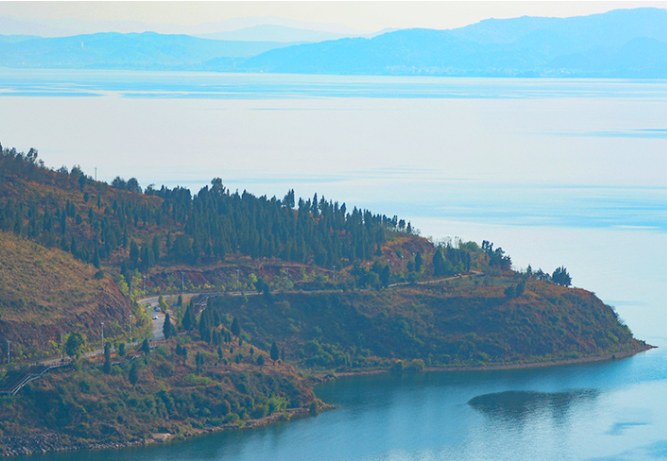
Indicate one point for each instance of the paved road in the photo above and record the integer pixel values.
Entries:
(158, 324)
(158, 331)
(156, 316)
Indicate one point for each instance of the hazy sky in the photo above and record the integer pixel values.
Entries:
(366, 16)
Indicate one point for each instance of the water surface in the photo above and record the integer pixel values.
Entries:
(557, 172)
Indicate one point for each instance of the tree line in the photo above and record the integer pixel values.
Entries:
(144, 227)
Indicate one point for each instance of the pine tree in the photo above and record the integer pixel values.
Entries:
(438, 263)
(561, 277)
(418, 262)
(520, 288)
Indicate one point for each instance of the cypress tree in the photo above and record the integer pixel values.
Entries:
(384, 276)
(145, 347)
(189, 321)
(236, 327)
(438, 263)
(205, 326)
(168, 328)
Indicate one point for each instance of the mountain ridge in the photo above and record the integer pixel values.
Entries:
(617, 44)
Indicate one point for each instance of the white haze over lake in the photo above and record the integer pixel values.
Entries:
(557, 172)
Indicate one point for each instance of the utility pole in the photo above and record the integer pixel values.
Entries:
(95, 173)
(102, 323)
(9, 345)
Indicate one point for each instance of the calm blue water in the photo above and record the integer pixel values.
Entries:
(557, 172)
(582, 412)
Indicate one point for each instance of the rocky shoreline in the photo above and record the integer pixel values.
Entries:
(509, 366)
(53, 442)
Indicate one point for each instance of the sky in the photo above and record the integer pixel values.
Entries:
(361, 16)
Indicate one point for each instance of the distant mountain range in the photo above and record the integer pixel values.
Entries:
(111, 50)
(621, 43)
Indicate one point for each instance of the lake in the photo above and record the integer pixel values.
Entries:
(557, 172)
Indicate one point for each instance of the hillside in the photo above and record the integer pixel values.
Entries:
(46, 294)
(464, 321)
(73, 246)
(148, 396)
(280, 293)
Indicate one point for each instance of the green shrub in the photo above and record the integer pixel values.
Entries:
(195, 380)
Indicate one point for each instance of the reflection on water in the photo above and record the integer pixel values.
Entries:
(518, 406)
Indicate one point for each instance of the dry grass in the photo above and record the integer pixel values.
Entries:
(39, 284)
